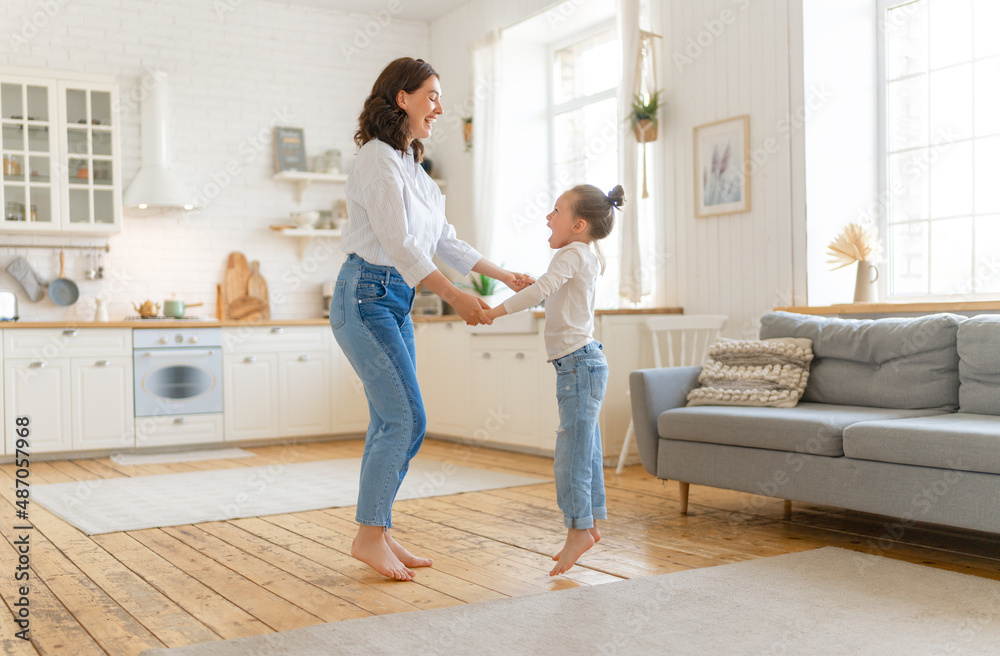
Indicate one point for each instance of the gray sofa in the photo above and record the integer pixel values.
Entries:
(900, 417)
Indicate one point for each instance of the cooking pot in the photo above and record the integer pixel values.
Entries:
(175, 308)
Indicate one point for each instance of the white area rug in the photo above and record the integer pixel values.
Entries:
(179, 456)
(825, 602)
(127, 504)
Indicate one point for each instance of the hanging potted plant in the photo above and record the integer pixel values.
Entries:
(467, 132)
(644, 116)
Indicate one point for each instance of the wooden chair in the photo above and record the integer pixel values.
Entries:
(686, 340)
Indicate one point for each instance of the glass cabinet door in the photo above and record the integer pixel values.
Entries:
(28, 114)
(93, 198)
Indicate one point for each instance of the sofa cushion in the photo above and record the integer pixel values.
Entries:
(753, 372)
(961, 441)
(906, 363)
(979, 365)
(813, 428)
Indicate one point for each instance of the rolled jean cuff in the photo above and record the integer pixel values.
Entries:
(600, 513)
(373, 522)
(579, 522)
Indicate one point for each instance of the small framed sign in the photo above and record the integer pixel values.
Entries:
(289, 149)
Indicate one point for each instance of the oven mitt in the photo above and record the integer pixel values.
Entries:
(25, 275)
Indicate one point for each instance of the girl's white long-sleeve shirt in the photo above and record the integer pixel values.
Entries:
(569, 289)
(396, 216)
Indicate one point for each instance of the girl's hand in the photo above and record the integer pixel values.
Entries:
(472, 309)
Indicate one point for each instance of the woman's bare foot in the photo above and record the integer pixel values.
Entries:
(593, 531)
(404, 556)
(578, 541)
(371, 548)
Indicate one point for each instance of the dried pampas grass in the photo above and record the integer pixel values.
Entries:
(855, 243)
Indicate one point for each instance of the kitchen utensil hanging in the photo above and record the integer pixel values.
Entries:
(62, 290)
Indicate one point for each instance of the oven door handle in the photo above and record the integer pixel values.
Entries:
(175, 353)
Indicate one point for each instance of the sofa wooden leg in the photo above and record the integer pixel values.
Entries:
(787, 514)
(683, 488)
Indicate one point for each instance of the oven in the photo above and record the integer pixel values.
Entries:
(178, 371)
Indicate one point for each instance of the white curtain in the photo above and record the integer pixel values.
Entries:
(630, 285)
(486, 68)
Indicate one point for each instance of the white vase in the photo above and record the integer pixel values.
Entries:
(864, 287)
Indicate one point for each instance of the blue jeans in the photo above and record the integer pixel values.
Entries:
(581, 380)
(370, 317)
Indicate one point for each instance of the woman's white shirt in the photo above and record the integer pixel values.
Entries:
(396, 216)
(569, 289)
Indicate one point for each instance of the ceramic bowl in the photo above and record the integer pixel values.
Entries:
(306, 219)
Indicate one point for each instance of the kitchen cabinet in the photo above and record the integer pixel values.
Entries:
(74, 385)
(350, 405)
(61, 151)
(101, 403)
(277, 381)
(445, 375)
(250, 395)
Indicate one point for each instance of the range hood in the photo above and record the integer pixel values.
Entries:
(156, 186)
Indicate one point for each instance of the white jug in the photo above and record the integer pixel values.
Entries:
(101, 313)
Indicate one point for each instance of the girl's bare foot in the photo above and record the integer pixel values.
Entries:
(578, 541)
(404, 556)
(593, 531)
(371, 548)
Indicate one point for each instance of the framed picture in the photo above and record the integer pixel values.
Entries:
(289, 149)
(722, 167)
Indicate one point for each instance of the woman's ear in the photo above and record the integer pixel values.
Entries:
(401, 99)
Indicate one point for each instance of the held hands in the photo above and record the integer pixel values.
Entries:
(517, 281)
(472, 309)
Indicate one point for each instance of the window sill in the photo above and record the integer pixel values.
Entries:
(897, 308)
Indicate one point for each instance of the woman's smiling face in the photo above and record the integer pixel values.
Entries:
(422, 107)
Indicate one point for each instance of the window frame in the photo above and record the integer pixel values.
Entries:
(884, 191)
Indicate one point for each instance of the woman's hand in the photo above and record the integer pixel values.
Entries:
(471, 308)
(517, 281)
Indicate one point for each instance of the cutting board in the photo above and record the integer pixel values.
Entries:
(237, 277)
(257, 287)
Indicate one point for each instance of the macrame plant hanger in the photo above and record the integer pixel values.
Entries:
(646, 63)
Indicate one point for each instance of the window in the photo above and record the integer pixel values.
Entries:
(941, 145)
(584, 129)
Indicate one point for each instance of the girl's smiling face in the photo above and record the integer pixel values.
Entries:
(422, 107)
(566, 228)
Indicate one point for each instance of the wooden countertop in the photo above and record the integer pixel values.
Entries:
(229, 323)
(895, 308)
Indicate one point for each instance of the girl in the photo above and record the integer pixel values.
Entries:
(582, 216)
(396, 226)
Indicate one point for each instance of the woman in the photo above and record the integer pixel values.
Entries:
(396, 226)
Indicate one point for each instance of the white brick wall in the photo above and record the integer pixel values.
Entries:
(229, 75)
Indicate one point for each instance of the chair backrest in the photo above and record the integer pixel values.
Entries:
(686, 338)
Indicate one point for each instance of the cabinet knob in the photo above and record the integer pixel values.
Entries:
(69, 333)
(180, 421)
(449, 325)
(277, 331)
(487, 356)
(305, 358)
(193, 340)
(164, 340)
(37, 365)
(102, 363)
(519, 356)
(250, 359)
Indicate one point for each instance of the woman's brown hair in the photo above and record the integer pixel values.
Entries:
(597, 209)
(382, 118)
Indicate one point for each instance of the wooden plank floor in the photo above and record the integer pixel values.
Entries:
(121, 593)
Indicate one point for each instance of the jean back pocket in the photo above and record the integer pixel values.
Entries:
(337, 314)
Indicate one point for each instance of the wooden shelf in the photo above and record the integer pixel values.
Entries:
(303, 179)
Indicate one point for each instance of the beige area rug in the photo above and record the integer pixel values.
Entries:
(825, 602)
(179, 456)
(128, 504)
